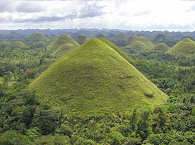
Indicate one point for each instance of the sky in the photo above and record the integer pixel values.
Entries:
(148, 15)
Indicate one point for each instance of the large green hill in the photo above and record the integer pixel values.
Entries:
(37, 40)
(140, 43)
(94, 78)
(81, 38)
(62, 45)
(161, 47)
(186, 47)
(37, 37)
(116, 48)
(18, 44)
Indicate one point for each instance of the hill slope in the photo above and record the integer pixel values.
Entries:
(94, 78)
(161, 47)
(81, 38)
(37, 37)
(18, 44)
(37, 40)
(63, 44)
(140, 43)
(186, 47)
(116, 48)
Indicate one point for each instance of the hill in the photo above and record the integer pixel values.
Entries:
(62, 44)
(81, 38)
(18, 44)
(121, 39)
(93, 79)
(161, 47)
(116, 48)
(164, 38)
(37, 40)
(140, 43)
(37, 37)
(186, 47)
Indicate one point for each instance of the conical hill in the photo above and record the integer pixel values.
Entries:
(116, 48)
(161, 47)
(140, 43)
(62, 45)
(186, 47)
(93, 79)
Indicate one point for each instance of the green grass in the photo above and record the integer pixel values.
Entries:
(186, 47)
(10, 83)
(37, 37)
(93, 79)
(18, 44)
(140, 43)
(1, 80)
(62, 45)
(116, 48)
(161, 47)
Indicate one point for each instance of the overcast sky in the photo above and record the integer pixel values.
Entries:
(173, 15)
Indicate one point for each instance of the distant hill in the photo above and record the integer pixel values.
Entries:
(116, 48)
(161, 47)
(37, 37)
(37, 40)
(3, 44)
(139, 43)
(165, 39)
(120, 39)
(62, 44)
(185, 47)
(93, 79)
(17, 44)
(81, 38)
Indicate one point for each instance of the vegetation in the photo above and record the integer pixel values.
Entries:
(139, 43)
(161, 47)
(62, 44)
(94, 78)
(27, 119)
(37, 40)
(81, 38)
(186, 47)
(117, 49)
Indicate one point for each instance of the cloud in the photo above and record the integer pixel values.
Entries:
(120, 14)
(141, 13)
(40, 19)
(91, 10)
(29, 7)
(6, 6)
(39, 11)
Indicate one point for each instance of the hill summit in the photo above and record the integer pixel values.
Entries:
(161, 47)
(140, 43)
(62, 45)
(186, 47)
(95, 78)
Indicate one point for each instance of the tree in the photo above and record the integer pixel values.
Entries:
(12, 137)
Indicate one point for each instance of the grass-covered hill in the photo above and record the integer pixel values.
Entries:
(186, 47)
(37, 37)
(161, 47)
(37, 40)
(62, 44)
(81, 38)
(17, 44)
(116, 48)
(140, 43)
(94, 78)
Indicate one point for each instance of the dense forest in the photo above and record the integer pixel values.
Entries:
(165, 58)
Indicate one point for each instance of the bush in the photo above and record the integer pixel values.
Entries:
(116, 138)
(14, 138)
(61, 140)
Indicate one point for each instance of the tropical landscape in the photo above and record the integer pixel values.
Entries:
(94, 86)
